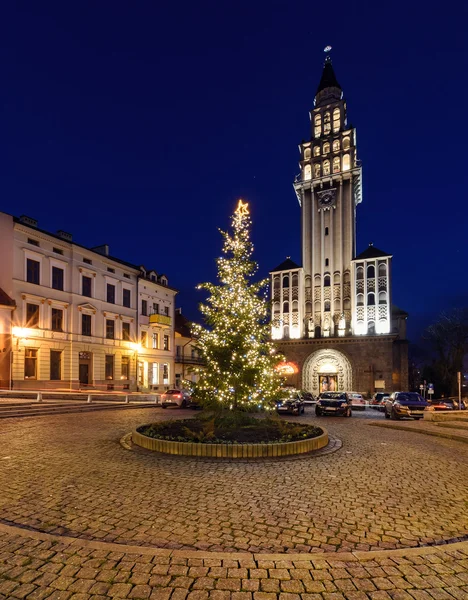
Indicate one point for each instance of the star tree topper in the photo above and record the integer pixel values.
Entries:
(242, 209)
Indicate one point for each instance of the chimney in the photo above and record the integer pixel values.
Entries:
(104, 249)
(65, 235)
(28, 221)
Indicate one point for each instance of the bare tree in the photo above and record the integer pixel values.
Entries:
(449, 338)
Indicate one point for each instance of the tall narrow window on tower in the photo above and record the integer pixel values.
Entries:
(316, 150)
(346, 162)
(326, 167)
(307, 173)
(317, 170)
(336, 164)
(307, 154)
(317, 126)
(326, 148)
(346, 143)
(326, 123)
(336, 120)
(336, 146)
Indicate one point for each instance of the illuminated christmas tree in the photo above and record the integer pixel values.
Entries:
(240, 360)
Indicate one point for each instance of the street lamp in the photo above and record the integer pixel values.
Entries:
(16, 333)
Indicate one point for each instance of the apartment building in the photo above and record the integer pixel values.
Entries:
(71, 318)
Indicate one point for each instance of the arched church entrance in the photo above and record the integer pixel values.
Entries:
(327, 370)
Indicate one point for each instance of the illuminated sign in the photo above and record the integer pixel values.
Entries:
(287, 368)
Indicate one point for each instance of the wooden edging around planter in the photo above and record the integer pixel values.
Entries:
(231, 450)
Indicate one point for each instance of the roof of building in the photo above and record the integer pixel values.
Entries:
(397, 311)
(5, 299)
(182, 325)
(328, 78)
(287, 265)
(371, 252)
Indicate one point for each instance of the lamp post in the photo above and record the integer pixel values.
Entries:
(17, 333)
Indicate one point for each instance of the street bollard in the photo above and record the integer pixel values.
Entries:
(39, 396)
(89, 399)
(126, 399)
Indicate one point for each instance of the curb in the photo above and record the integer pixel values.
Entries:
(447, 436)
(149, 551)
(276, 450)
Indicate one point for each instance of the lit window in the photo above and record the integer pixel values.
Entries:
(382, 298)
(317, 170)
(336, 119)
(346, 143)
(155, 341)
(32, 315)
(109, 366)
(30, 363)
(336, 145)
(326, 167)
(326, 306)
(318, 125)
(371, 328)
(336, 164)
(126, 332)
(125, 367)
(307, 173)
(166, 342)
(57, 319)
(346, 162)
(317, 151)
(326, 148)
(326, 123)
(144, 339)
(307, 154)
(276, 308)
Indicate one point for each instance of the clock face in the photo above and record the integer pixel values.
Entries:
(326, 198)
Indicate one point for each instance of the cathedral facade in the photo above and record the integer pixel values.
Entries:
(333, 317)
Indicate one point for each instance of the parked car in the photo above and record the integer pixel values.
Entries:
(444, 404)
(292, 403)
(333, 403)
(378, 400)
(357, 401)
(307, 397)
(405, 404)
(179, 398)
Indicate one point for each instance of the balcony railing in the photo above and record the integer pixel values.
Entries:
(189, 360)
(157, 319)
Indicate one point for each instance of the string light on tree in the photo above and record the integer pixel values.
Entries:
(240, 362)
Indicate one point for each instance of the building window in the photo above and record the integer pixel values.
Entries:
(371, 299)
(326, 148)
(88, 261)
(346, 162)
(155, 308)
(360, 300)
(316, 150)
(307, 154)
(155, 341)
(126, 275)
(336, 120)
(166, 342)
(155, 373)
(144, 308)
(110, 329)
(286, 307)
(307, 173)
(57, 319)
(110, 293)
(370, 272)
(336, 145)
(125, 367)
(382, 269)
(295, 280)
(326, 123)
(32, 315)
(382, 297)
(85, 324)
(326, 262)
(178, 351)
(33, 271)
(326, 281)
(144, 339)
(57, 278)
(55, 365)
(371, 328)
(317, 125)
(126, 331)
(109, 366)
(86, 283)
(33, 242)
(336, 164)
(326, 167)
(166, 311)
(111, 270)
(346, 143)
(30, 363)
(326, 306)
(126, 298)
(285, 281)
(317, 170)
(359, 273)
(57, 250)
(165, 373)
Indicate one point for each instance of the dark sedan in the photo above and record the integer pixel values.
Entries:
(291, 404)
(333, 403)
(405, 404)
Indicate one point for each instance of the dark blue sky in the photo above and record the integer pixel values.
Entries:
(139, 124)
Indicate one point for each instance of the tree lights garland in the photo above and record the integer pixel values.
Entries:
(240, 360)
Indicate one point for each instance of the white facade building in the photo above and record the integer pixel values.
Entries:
(76, 322)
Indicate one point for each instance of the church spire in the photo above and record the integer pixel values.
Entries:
(328, 87)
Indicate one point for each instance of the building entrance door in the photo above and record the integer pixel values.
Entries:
(84, 369)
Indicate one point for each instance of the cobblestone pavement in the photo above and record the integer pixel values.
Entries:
(68, 475)
(36, 569)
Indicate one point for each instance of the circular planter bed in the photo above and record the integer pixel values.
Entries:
(262, 438)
